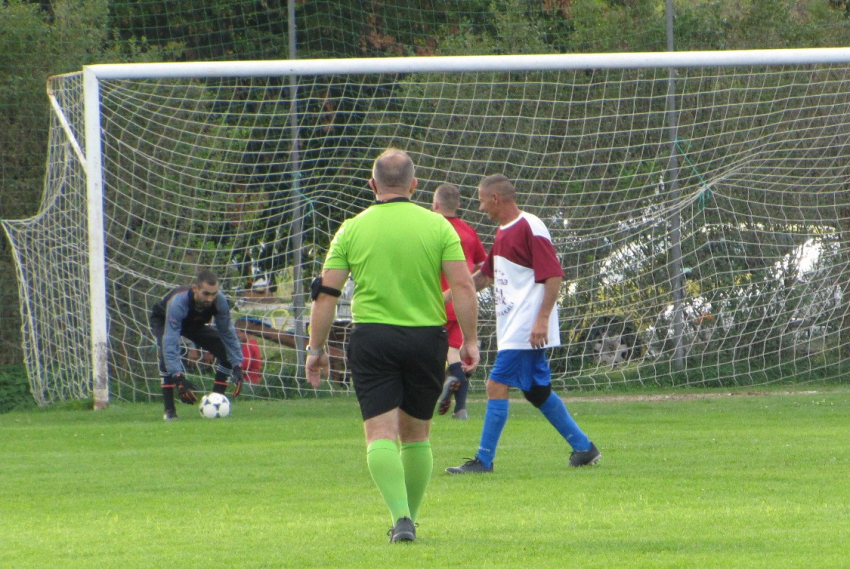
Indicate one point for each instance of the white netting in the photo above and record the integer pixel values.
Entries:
(204, 172)
(52, 261)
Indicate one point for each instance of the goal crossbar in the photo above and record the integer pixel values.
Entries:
(482, 63)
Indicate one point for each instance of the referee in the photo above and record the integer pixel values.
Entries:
(395, 252)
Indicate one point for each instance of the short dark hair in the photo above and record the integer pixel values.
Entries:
(448, 196)
(206, 276)
(499, 184)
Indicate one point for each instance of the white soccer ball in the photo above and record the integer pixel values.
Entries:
(214, 406)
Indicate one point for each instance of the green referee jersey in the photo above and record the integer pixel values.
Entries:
(395, 251)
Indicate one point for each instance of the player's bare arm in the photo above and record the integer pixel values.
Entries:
(322, 314)
(479, 280)
(466, 308)
(540, 329)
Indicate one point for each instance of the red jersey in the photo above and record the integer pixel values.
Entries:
(473, 250)
(252, 361)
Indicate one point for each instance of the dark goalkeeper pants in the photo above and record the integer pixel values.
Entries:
(206, 338)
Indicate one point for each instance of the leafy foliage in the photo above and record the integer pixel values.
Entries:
(14, 388)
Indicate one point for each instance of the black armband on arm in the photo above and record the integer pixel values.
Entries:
(317, 288)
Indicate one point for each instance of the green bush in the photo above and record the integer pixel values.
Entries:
(14, 388)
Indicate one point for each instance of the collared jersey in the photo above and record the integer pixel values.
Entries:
(395, 252)
(521, 259)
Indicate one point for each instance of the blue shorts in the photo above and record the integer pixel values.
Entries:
(521, 368)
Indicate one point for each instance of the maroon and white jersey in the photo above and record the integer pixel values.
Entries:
(522, 257)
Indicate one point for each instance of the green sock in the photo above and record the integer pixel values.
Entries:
(418, 463)
(385, 466)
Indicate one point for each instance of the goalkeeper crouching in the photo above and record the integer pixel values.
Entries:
(186, 311)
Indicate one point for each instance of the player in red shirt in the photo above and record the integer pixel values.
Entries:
(447, 202)
(252, 357)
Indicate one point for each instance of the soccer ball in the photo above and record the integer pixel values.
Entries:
(214, 406)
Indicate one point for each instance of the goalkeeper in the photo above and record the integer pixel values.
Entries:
(186, 311)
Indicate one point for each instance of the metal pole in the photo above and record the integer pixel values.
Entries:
(477, 63)
(676, 281)
(297, 237)
(96, 243)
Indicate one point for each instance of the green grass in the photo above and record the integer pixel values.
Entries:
(729, 481)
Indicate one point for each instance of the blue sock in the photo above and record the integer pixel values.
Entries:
(556, 412)
(494, 421)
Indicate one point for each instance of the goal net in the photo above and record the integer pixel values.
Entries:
(698, 203)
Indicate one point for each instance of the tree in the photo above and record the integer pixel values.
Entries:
(38, 40)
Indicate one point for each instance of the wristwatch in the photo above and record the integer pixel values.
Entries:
(311, 352)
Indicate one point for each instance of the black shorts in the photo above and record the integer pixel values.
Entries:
(397, 366)
(205, 337)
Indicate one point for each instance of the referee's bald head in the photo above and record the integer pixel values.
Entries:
(393, 171)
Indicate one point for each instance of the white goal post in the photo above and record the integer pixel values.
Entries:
(698, 200)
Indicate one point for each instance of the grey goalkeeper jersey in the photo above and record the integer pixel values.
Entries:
(177, 313)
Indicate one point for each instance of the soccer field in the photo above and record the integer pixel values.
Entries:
(703, 481)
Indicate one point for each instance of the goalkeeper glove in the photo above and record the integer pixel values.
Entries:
(237, 377)
(185, 389)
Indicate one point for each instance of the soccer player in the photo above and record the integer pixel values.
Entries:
(526, 276)
(252, 357)
(186, 311)
(447, 203)
(395, 251)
